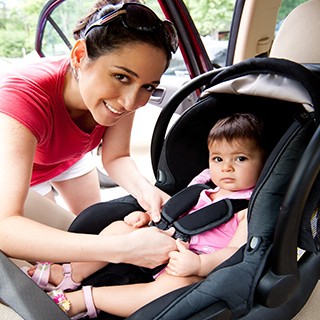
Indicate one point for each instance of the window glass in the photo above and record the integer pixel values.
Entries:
(66, 17)
(213, 21)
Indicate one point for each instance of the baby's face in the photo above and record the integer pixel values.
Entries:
(235, 165)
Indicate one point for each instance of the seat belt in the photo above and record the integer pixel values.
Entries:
(201, 220)
(21, 294)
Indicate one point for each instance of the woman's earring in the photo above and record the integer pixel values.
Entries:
(75, 73)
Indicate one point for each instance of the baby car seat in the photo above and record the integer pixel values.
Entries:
(264, 279)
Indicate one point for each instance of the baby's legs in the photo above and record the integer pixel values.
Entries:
(125, 300)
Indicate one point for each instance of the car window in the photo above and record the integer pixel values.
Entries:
(213, 21)
(66, 15)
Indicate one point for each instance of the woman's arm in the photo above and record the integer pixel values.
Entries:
(118, 163)
(26, 239)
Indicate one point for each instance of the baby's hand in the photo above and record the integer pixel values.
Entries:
(183, 263)
(137, 219)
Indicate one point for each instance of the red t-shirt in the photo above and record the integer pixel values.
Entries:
(33, 96)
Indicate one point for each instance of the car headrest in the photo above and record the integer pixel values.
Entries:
(298, 38)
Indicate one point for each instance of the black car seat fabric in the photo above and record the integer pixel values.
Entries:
(273, 105)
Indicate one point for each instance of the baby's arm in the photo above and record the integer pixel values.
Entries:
(186, 263)
(137, 219)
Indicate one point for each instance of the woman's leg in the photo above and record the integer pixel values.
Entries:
(79, 185)
(80, 192)
(43, 210)
(125, 300)
(45, 189)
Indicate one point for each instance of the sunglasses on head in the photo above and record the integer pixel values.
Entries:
(140, 17)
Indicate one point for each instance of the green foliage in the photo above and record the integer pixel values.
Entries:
(18, 26)
(211, 16)
(12, 44)
(66, 16)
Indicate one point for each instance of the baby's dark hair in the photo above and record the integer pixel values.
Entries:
(239, 125)
(102, 40)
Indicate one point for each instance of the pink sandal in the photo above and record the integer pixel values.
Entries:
(42, 273)
(61, 300)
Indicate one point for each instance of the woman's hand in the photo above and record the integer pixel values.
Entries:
(149, 247)
(152, 200)
(183, 262)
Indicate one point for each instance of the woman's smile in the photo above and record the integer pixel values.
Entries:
(113, 110)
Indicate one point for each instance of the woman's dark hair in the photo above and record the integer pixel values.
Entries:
(104, 39)
(239, 125)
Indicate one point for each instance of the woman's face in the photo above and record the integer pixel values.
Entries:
(120, 82)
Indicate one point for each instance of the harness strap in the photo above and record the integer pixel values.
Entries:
(201, 220)
(180, 203)
(208, 217)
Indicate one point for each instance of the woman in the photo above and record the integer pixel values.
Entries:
(55, 111)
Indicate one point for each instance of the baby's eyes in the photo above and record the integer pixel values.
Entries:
(241, 158)
(238, 159)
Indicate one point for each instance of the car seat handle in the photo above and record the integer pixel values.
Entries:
(167, 112)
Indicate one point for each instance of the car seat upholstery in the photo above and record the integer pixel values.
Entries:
(298, 36)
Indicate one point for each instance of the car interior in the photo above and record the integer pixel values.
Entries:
(276, 281)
